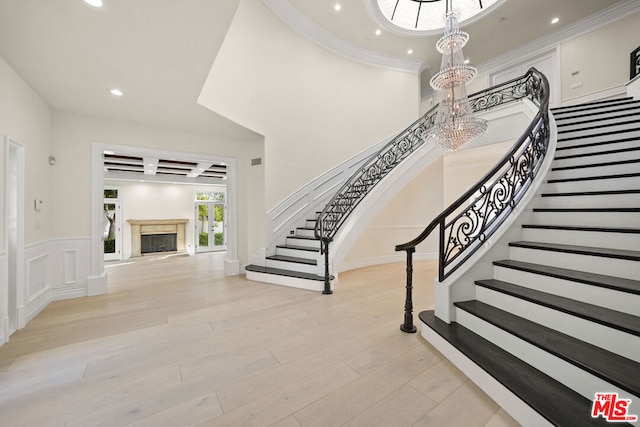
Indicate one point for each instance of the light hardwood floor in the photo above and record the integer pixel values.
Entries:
(176, 343)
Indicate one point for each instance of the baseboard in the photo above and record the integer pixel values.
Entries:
(68, 292)
(97, 285)
(4, 330)
(399, 257)
(38, 303)
(231, 267)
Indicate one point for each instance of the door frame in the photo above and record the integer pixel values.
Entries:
(13, 312)
(98, 278)
(211, 247)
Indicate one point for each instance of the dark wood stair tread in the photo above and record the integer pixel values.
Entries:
(580, 250)
(613, 368)
(595, 144)
(595, 113)
(609, 282)
(596, 135)
(604, 316)
(283, 272)
(596, 165)
(592, 193)
(554, 401)
(294, 259)
(594, 105)
(298, 248)
(623, 230)
(303, 238)
(583, 210)
(598, 153)
(594, 178)
(601, 126)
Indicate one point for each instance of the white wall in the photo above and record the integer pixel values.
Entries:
(315, 108)
(26, 119)
(147, 200)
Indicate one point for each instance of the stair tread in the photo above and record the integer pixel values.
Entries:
(595, 135)
(593, 193)
(298, 248)
(592, 113)
(293, 259)
(597, 153)
(595, 178)
(595, 144)
(604, 316)
(600, 126)
(581, 250)
(303, 238)
(624, 113)
(613, 368)
(596, 165)
(593, 210)
(594, 105)
(283, 272)
(610, 282)
(554, 401)
(626, 230)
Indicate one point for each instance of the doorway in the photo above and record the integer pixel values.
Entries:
(210, 222)
(13, 215)
(112, 236)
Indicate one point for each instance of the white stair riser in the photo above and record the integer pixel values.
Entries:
(583, 132)
(631, 200)
(577, 149)
(587, 263)
(625, 241)
(570, 375)
(610, 339)
(294, 282)
(305, 232)
(584, 219)
(608, 298)
(310, 223)
(595, 137)
(307, 243)
(292, 266)
(592, 185)
(593, 171)
(299, 253)
(599, 158)
(595, 115)
(598, 108)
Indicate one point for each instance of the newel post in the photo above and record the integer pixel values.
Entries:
(408, 325)
(327, 276)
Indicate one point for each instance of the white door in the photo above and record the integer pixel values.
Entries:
(210, 224)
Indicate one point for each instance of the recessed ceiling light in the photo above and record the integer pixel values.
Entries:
(466, 61)
(94, 3)
(410, 51)
(116, 92)
(337, 7)
(378, 32)
(555, 20)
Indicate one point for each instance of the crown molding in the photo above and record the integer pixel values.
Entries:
(551, 41)
(297, 21)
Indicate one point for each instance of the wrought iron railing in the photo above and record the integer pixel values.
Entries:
(472, 219)
(347, 198)
(634, 66)
(364, 180)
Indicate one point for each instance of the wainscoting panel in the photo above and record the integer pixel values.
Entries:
(37, 279)
(71, 269)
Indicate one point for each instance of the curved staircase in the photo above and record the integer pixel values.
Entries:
(559, 321)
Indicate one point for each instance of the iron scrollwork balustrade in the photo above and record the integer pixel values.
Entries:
(398, 149)
(473, 218)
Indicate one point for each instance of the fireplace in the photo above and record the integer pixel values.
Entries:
(157, 235)
(151, 243)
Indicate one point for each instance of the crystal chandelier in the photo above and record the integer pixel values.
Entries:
(455, 125)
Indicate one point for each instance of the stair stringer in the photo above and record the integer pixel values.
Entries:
(460, 285)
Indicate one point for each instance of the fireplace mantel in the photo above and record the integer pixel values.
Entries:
(156, 226)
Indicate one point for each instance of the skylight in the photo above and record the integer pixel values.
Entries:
(426, 16)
